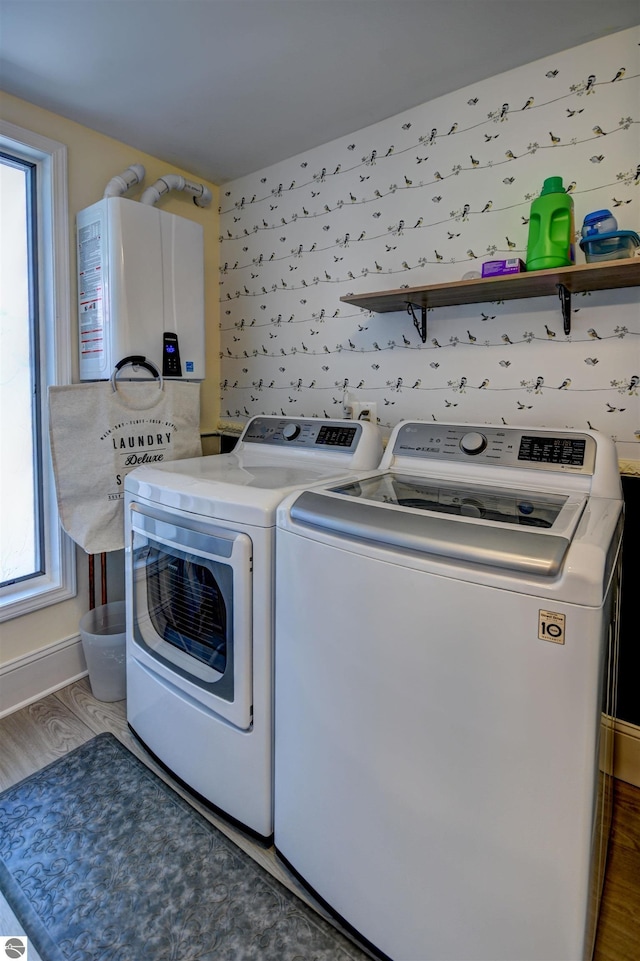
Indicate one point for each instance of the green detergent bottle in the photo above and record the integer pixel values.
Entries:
(551, 228)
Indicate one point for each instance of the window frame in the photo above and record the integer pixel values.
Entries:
(58, 582)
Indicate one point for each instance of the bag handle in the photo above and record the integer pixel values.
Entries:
(135, 360)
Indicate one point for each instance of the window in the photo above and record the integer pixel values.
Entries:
(37, 560)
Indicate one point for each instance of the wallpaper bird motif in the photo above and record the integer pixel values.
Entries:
(427, 197)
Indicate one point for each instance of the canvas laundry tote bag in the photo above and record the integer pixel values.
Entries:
(101, 431)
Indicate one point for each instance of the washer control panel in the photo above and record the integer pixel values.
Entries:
(303, 433)
(505, 447)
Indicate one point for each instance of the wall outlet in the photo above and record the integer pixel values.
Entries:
(361, 410)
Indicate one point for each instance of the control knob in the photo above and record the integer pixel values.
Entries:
(290, 431)
(473, 442)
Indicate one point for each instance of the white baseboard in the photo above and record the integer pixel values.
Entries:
(29, 678)
(627, 752)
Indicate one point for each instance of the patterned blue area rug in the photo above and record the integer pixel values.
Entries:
(101, 861)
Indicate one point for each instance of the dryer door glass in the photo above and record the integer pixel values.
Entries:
(186, 603)
(190, 590)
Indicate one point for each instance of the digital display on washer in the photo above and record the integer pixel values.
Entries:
(333, 436)
(553, 450)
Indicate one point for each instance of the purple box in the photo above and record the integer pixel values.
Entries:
(494, 268)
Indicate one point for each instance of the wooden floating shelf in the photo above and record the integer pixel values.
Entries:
(538, 283)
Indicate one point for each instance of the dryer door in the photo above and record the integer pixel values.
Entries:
(189, 586)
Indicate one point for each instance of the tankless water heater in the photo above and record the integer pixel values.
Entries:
(140, 289)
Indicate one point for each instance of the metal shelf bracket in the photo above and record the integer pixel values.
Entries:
(420, 325)
(565, 301)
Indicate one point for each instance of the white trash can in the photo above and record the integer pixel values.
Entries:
(103, 632)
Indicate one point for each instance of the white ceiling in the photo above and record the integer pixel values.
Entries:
(222, 88)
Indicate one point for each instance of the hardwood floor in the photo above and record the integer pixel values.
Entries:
(618, 937)
(48, 729)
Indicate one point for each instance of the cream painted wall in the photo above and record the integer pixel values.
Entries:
(92, 160)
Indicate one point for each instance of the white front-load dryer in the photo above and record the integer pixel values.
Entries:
(199, 559)
(445, 667)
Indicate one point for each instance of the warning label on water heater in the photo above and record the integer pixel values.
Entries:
(91, 290)
(551, 626)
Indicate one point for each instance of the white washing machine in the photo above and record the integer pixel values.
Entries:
(199, 564)
(445, 674)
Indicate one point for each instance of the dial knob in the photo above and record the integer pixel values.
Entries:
(290, 431)
(473, 442)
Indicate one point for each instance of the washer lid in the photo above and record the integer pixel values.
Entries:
(527, 533)
(509, 506)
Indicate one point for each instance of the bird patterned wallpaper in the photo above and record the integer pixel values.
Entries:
(425, 197)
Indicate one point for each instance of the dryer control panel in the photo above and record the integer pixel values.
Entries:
(306, 433)
(504, 447)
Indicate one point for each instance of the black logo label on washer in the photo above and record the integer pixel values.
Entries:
(551, 626)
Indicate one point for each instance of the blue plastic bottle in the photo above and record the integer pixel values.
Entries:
(551, 228)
